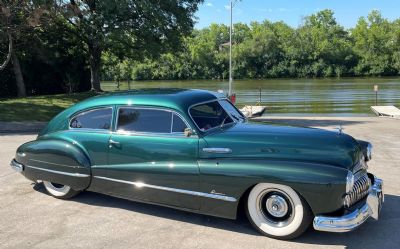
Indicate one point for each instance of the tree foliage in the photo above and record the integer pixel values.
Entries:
(68, 46)
(320, 47)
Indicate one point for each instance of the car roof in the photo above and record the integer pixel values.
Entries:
(172, 98)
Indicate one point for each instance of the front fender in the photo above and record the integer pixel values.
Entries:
(54, 160)
(322, 186)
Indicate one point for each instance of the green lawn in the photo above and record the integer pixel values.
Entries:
(38, 108)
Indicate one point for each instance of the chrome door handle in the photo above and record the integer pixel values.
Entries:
(112, 142)
(217, 150)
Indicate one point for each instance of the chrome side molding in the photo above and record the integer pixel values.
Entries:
(217, 150)
(182, 191)
(58, 172)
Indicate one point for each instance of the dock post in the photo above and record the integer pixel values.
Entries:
(376, 88)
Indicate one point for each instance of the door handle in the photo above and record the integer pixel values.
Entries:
(112, 142)
(217, 150)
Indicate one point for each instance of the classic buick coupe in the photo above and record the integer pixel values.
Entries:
(193, 150)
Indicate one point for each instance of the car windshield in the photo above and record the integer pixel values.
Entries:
(214, 114)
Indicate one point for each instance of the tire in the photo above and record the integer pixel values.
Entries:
(59, 191)
(277, 211)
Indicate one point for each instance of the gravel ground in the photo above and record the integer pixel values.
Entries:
(31, 218)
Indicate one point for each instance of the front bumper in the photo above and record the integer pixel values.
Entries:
(351, 221)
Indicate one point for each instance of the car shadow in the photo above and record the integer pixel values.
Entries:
(240, 225)
(372, 234)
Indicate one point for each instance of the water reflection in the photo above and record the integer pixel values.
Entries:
(337, 97)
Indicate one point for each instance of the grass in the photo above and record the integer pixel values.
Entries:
(38, 108)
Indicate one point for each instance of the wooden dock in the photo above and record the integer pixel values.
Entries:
(251, 111)
(386, 111)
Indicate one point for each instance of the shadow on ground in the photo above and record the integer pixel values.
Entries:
(372, 234)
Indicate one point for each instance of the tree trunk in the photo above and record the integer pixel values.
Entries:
(10, 49)
(18, 75)
(95, 60)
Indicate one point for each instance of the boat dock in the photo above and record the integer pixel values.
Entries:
(386, 111)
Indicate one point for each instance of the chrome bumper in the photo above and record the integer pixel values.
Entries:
(351, 221)
(16, 166)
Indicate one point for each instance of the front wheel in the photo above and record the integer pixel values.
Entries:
(59, 191)
(277, 211)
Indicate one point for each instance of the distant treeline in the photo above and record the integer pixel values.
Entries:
(63, 52)
(320, 47)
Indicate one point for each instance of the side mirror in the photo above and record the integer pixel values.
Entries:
(188, 132)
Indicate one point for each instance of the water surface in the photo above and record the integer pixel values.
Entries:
(336, 97)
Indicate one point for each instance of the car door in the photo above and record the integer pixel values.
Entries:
(151, 159)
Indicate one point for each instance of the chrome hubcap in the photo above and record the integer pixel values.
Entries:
(276, 206)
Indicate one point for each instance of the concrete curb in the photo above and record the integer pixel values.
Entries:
(21, 127)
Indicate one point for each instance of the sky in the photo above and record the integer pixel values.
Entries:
(291, 12)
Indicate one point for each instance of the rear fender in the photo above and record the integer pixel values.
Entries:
(57, 161)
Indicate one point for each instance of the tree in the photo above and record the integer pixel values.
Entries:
(127, 28)
(374, 39)
(17, 17)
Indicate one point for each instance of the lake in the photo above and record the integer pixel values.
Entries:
(307, 97)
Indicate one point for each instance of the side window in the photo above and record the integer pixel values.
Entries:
(177, 124)
(144, 120)
(93, 119)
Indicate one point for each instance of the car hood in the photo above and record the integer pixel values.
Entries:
(248, 140)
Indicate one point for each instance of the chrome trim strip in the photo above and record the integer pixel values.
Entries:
(181, 191)
(59, 172)
(354, 219)
(217, 150)
(16, 166)
(63, 165)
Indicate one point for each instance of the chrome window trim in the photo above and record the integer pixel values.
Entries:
(181, 191)
(216, 127)
(91, 110)
(154, 134)
(59, 172)
(102, 131)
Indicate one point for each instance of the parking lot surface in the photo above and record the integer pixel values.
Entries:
(29, 218)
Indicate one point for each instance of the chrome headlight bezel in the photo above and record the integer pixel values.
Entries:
(349, 181)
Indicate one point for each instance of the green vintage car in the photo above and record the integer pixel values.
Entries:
(193, 150)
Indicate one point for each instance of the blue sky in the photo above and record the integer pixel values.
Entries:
(347, 12)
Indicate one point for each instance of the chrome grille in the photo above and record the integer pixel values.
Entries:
(359, 191)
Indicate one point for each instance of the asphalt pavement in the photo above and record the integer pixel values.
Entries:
(29, 218)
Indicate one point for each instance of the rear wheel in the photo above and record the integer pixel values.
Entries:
(277, 211)
(59, 191)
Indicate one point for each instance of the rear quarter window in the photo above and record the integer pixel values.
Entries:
(93, 119)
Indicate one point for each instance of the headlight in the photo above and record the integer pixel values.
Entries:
(369, 152)
(349, 182)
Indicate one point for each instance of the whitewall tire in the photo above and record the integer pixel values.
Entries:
(59, 191)
(277, 211)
